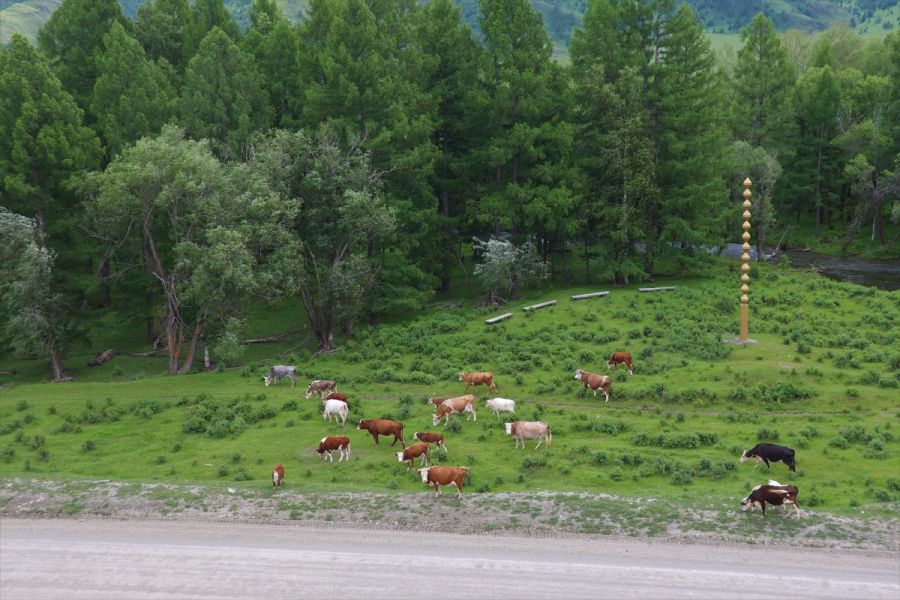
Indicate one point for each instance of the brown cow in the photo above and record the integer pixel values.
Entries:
(329, 444)
(594, 381)
(337, 396)
(320, 387)
(383, 427)
(278, 475)
(410, 453)
(452, 406)
(476, 379)
(775, 494)
(430, 438)
(619, 358)
(438, 476)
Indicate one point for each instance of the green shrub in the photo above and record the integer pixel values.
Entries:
(147, 408)
(767, 435)
(89, 446)
(8, 454)
(454, 426)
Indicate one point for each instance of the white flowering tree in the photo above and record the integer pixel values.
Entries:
(506, 268)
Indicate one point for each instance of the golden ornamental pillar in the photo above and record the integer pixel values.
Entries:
(745, 266)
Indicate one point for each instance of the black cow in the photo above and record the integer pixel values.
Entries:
(767, 452)
(775, 494)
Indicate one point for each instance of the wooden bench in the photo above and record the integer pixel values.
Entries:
(657, 289)
(541, 305)
(498, 319)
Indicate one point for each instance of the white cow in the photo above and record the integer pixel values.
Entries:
(336, 408)
(530, 430)
(499, 405)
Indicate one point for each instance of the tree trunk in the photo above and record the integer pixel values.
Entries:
(206, 357)
(192, 349)
(818, 190)
(105, 296)
(587, 261)
(56, 365)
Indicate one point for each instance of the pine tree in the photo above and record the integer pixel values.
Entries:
(163, 27)
(71, 40)
(764, 80)
(43, 144)
(132, 97)
(207, 15)
(276, 54)
(222, 98)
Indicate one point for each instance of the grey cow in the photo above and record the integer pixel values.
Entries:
(279, 371)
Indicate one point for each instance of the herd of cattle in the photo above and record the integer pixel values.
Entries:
(335, 404)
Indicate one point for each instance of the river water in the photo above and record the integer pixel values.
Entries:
(884, 274)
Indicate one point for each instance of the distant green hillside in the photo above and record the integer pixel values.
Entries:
(561, 16)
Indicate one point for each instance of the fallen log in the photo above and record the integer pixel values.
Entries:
(591, 295)
(541, 305)
(498, 319)
(101, 358)
(658, 289)
(266, 340)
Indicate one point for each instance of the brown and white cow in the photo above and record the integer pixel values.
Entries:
(773, 493)
(383, 427)
(595, 382)
(410, 453)
(320, 387)
(620, 358)
(329, 444)
(431, 438)
(437, 400)
(476, 379)
(530, 430)
(452, 406)
(337, 396)
(438, 476)
(278, 475)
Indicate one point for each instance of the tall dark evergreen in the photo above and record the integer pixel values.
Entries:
(163, 27)
(222, 98)
(72, 39)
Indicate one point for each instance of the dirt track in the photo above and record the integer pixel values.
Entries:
(166, 559)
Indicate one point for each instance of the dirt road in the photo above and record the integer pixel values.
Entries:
(163, 559)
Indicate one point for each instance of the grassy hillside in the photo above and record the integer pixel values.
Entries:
(870, 17)
(823, 379)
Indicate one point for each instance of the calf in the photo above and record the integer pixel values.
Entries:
(499, 405)
(619, 358)
(462, 404)
(770, 452)
(278, 475)
(476, 379)
(329, 444)
(337, 396)
(431, 438)
(320, 387)
(279, 371)
(438, 476)
(773, 493)
(594, 382)
(410, 453)
(530, 430)
(383, 427)
(336, 408)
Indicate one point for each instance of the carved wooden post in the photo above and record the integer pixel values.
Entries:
(745, 265)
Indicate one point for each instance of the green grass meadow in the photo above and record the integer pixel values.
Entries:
(823, 379)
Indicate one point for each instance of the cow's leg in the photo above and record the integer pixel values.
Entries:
(606, 394)
(540, 441)
(443, 446)
(458, 490)
(375, 435)
(766, 460)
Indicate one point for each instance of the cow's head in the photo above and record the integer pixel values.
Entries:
(746, 504)
(745, 457)
(416, 436)
(578, 374)
(267, 379)
(423, 473)
(360, 424)
(275, 476)
(462, 377)
(509, 427)
(610, 364)
(435, 419)
(400, 456)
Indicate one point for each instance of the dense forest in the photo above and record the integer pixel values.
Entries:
(180, 169)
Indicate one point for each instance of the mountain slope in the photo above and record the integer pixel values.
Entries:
(561, 16)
